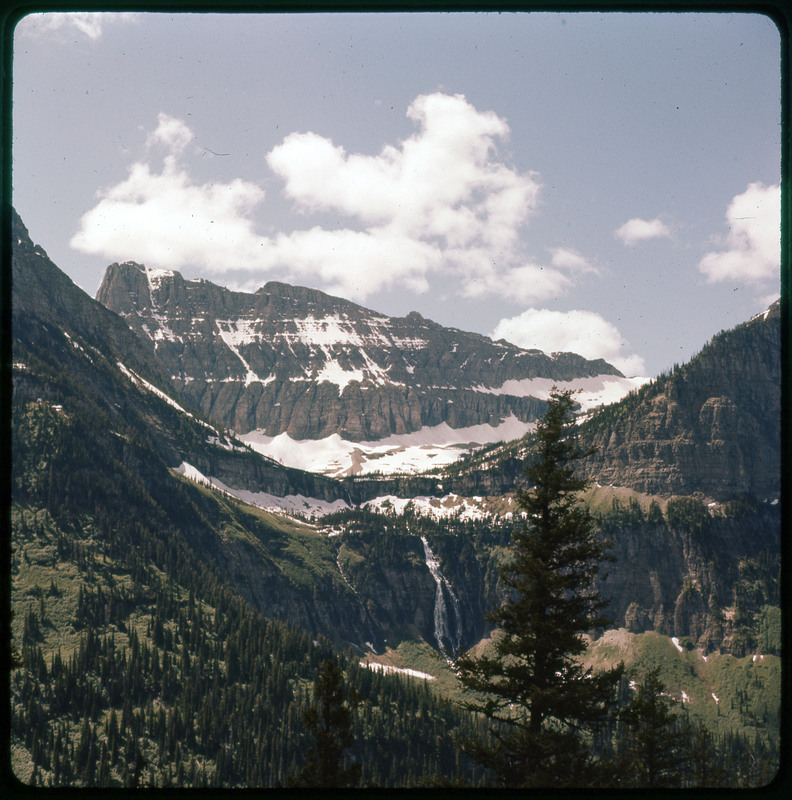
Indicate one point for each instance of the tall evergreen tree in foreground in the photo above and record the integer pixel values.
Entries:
(329, 719)
(543, 704)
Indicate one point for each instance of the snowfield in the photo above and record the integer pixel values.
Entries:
(596, 391)
(430, 447)
(291, 504)
(450, 505)
(408, 453)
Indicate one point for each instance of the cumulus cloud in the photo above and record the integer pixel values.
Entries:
(751, 251)
(164, 218)
(65, 24)
(443, 197)
(570, 259)
(640, 230)
(582, 332)
(441, 202)
(525, 283)
(171, 133)
(354, 263)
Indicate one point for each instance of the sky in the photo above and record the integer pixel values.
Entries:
(606, 183)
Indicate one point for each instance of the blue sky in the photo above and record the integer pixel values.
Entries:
(602, 183)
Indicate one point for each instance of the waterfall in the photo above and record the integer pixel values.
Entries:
(447, 629)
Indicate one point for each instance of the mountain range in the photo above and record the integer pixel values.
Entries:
(289, 364)
(129, 444)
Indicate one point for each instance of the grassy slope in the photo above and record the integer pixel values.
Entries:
(748, 689)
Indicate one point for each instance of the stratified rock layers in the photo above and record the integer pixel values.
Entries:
(295, 360)
(711, 426)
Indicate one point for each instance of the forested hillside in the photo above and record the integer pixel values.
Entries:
(133, 643)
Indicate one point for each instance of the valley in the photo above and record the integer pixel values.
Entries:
(212, 492)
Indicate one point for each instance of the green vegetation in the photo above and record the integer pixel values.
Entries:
(329, 720)
(688, 514)
(655, 746)
(144, 662)
(724, 694)
(123, 659)
(540, 700)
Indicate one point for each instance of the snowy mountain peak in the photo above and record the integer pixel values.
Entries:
(293, 361)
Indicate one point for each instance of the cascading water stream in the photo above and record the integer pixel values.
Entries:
(448, 633)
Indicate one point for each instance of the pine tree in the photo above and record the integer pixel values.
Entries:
(330, 722)
(706, 769)
(656, 743)
(541, 702)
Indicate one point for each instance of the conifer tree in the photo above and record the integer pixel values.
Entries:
(656, 743)
(541, 702)
(329, 719)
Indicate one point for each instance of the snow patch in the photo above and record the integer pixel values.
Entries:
(386, 668)
(333, 372)
(225, 444)
(596, 391)
(406, 453)
(135, 378)
(676, 644)
(335, 330)
(234, 334)
(291, 504)
(155, 276)
(450, 505)
(75, 345)
(163, 332)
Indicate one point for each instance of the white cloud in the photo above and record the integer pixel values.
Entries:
(442, 202)
(640, 230)
(165, 219)
(525, 283)
(564, 258)
(753, 245)
(583, 332)
(442, 194)
(170, 132)
(355, 263)
(63, 25)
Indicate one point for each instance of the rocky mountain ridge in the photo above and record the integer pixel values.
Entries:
(294, 360)
(712, 425)
(70, 351)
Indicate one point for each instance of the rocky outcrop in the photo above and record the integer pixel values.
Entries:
(711, 426)
(679, 582)
(295, 360)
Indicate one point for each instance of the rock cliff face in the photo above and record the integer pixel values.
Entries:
(295, 360)
(688, 582)
(712, 425)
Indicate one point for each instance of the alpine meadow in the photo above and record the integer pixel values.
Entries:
(329, 465)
